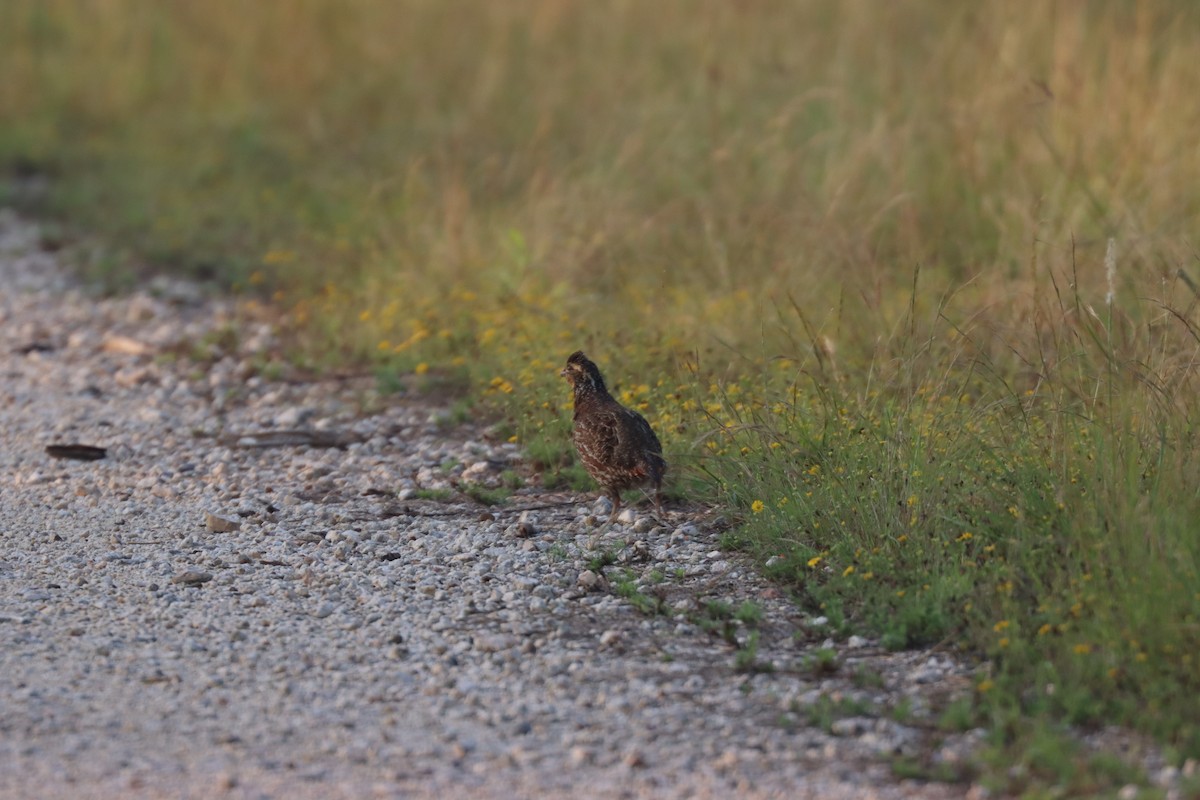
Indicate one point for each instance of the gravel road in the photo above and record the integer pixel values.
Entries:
(260, 591)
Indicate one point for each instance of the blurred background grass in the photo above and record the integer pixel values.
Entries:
(946, 249)
(673, 166)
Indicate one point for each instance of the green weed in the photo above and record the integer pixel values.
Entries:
(822, 662)
(746, 660)
(604, 558)
(749, 614)
(486, 496)
(649, 603)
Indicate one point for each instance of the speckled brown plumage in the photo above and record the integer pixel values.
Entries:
(616, 444)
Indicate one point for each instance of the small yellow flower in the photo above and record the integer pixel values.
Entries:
(812, 562)
(421, 368)
(1082, 649)
(965, 537)
(1045, 629)
(984, 685)
(775, 445)
(1003, 641)
(848, 571)
(1001, 625)
(757, 506)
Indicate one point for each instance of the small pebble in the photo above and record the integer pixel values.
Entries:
(192, 577)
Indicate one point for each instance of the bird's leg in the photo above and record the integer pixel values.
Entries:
(658, 506)
(615, 497)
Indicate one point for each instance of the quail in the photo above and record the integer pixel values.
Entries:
(617, 446)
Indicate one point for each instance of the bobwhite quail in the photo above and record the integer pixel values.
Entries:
(616, 444)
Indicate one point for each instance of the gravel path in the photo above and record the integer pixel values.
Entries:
(227, 606)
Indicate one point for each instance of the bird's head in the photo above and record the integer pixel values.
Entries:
(582, 374)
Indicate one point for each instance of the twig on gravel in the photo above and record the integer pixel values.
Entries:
(77, 452)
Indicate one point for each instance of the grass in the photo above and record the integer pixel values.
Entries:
(628, 585)
(825, 710)
(909, 290)
(605, 558)
(1045, 528)
(1051, 758)
(746, 660)
(822, 662)
(487, 496)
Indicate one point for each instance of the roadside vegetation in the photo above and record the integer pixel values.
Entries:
(909, 289)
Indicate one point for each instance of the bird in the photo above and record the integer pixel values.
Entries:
(616, 444)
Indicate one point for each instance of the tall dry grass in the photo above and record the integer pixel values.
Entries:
(699, 163)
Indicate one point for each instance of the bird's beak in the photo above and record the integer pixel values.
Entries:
(562, 373)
